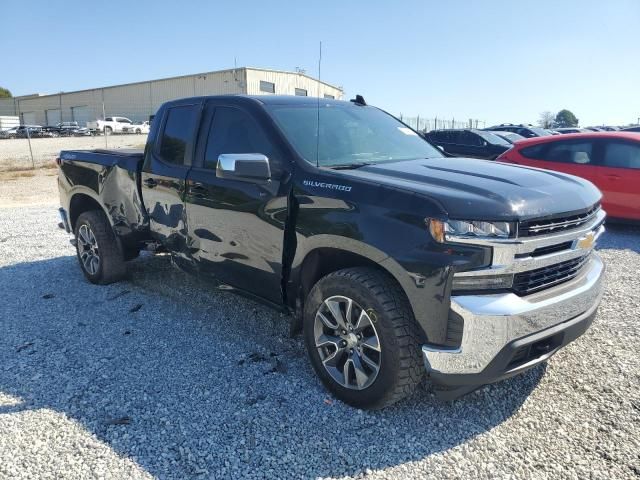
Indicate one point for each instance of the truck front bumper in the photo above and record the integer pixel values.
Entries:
(505, 334)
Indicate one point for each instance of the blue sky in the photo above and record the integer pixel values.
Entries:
(498, 61)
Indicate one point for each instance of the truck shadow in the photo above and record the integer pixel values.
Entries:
(190, 381)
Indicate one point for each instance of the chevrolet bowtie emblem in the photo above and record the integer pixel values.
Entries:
(586, 241)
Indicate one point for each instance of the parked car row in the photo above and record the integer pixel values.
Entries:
(67, 129)
(64, 129)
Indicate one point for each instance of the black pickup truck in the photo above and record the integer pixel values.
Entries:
(395, 262)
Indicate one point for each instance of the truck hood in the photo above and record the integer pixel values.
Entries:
(475, 189)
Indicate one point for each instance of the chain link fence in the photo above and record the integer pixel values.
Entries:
(34, 139)
(425, 124)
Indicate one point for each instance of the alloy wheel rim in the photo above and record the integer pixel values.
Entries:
(347, 342)
(88, 250)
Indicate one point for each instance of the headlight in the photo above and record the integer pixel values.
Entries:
(451, 229)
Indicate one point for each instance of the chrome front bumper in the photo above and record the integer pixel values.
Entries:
(491, 322)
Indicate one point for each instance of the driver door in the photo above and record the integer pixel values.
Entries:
(236, 226)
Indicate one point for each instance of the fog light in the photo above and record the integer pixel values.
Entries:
(493, 282)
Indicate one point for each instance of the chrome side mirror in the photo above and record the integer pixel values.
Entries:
(248, 167)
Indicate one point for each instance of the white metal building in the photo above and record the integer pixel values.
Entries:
(139, 100)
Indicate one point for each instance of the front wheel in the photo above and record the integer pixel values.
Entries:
(99, 252)
(362, 338)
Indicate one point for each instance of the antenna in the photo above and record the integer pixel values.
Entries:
(318, 118)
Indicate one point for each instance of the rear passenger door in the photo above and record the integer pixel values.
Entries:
(167, 162)
(618, 177)
(236, 227)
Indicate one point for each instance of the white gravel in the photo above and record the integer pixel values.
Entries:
(161, 376)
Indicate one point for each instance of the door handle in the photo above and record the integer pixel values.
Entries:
(613, 177)
(150, 182)
(197, 187)
(197, 190)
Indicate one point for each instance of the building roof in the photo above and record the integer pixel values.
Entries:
(37, 95)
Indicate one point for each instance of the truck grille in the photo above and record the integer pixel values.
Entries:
(532, 228)
(534, 280)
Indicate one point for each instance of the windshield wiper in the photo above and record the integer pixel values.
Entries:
(348, 166)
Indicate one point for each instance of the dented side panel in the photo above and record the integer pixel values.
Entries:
(111, 180)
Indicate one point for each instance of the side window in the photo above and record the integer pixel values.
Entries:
(454, 136)
(267, 87)
(235, 131)
(621, 155)
(471, 139)
(566, 152)
(534, 152)
(177, 134)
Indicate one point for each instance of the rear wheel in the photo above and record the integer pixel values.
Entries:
(98, 250)
(362, 339)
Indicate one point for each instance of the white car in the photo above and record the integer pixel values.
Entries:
(110, 125)
(9, 132)
(137, 128)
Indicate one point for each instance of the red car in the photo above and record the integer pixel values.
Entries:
(610, 160)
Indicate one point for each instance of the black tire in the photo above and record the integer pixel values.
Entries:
(401, 367)
(110, 266)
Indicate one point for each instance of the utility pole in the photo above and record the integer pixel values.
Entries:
(33, 165)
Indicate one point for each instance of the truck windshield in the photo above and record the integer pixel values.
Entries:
(348, 134)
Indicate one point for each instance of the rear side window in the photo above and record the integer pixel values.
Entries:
(535, 151)
(436, 136)
(469, 138)
(177, 134)
(562, 152)
(451, 136)
(235, 131)
(621, 155)
(525, 132)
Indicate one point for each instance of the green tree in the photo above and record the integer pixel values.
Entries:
(4, 93)
(566, 118)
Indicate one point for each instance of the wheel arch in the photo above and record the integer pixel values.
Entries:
(81, 202)
(330, 257)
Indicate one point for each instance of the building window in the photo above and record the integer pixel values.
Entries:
(301, 92)
(267, 87)
(326, 95)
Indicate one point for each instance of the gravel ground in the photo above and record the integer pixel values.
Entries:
(161, 376)
(15, 154)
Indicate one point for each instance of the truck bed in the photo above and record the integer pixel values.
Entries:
(110, 178)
